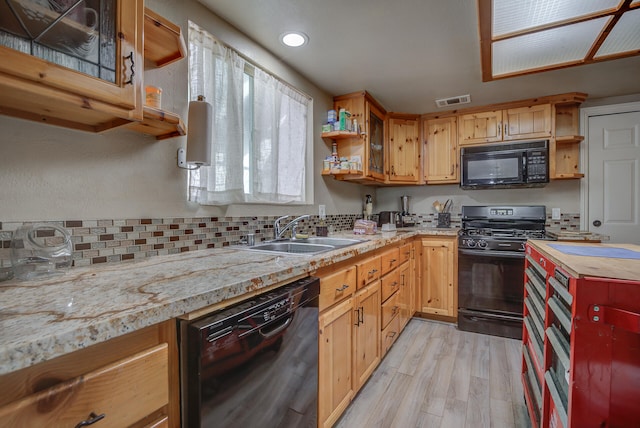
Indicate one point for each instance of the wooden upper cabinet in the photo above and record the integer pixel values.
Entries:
(527, 122)
(519, 123)
(482, 127)
(81, 69)
(404, 148)
(99, 68)
(368, 144)
(441, 151)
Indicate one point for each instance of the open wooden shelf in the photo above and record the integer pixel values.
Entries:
(568, 176)
(342, 172)
(340, 135)
(163, 41)
(159, 123)
(569, 139)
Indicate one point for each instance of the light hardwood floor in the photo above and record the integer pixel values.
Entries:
(438, 376)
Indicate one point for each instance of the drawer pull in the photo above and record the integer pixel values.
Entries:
(344, 287)
(394, 283)
(93, 418)
(392, 261)
(372, 272)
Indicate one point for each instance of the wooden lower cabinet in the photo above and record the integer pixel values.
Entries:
(335, 361)
(438, 276)
(131, 380)
(405, 294)
(366, 334)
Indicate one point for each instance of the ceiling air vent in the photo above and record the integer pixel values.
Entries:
(453, 101)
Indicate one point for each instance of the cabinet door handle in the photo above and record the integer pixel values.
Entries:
(344, 287)
(359, 316)
(93, 418)
(505, 130)
(499, 129)
(132, 68)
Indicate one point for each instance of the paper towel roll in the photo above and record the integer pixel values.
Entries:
(200, 133)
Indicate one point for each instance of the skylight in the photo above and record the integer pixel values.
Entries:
(528, 36)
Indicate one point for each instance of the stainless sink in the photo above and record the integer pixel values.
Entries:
(313, 245)
(336, 242)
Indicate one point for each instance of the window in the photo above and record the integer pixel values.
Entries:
(528, 36)
(260, 126)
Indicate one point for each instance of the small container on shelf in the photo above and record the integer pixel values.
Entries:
(153, 96)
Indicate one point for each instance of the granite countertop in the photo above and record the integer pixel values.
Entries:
(47, 318)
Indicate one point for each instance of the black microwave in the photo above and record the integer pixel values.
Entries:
(507, 165)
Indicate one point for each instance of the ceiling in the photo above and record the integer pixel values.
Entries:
(406, 53)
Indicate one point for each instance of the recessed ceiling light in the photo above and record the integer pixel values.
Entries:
(294, 39)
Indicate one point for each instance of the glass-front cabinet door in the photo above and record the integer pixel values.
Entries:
(376, 149)
(87, 47)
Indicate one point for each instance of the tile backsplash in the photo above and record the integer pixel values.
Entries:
(103, 241)
(107, 241)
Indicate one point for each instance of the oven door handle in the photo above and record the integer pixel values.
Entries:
(492, 253)
(476, 316)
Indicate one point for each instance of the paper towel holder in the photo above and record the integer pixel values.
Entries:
(199, 136)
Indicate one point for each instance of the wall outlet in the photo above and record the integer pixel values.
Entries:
(555, 213)
(322, 211)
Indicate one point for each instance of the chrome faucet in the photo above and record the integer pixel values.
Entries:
(293, 225)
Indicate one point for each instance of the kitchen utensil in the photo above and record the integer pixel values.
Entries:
(438, 206)
(447, 206)
(39, 250)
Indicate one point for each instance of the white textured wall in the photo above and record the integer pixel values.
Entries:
(50, 173)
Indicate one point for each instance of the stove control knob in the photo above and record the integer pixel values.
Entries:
(482, 243)
(471, 243)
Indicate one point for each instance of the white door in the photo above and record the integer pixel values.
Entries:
(613, 176)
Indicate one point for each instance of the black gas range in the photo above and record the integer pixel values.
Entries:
(491, 252)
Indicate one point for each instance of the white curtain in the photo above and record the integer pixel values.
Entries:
(217, 73)
(280, 126)
(274, 154)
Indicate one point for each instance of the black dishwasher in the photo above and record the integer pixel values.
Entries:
(254, 363)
